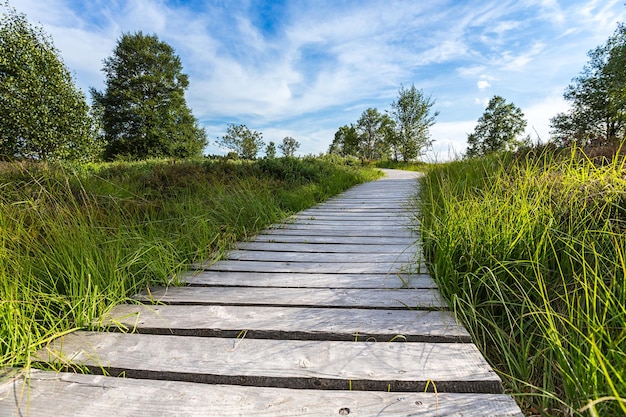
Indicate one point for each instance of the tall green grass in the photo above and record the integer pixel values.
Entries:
(76, 240)
(531, 253)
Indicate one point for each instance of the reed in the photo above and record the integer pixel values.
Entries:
(530, 252)
(76, 240)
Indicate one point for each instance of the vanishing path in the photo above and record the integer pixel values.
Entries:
(328, 314)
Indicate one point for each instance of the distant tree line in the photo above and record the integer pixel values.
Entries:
(142, 112)
(402, 133)
(246, 144)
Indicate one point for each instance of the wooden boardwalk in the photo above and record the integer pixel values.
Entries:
(329, 314)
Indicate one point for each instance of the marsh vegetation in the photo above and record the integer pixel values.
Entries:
(77, 239)
(530, 251)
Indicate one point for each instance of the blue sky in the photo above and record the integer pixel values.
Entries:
(303, 68)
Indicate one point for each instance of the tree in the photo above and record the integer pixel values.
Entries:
(498, 129)
(270, 150)
(412, 115)
(243, 141)
(346, 141)
(43, 115)
(598, 98)
(289, 146)
(373, 128)
(144, 111)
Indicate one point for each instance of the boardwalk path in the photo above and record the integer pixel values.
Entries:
(321, 316)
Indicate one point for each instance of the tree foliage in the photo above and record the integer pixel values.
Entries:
(373, 129)
(270, 150)
(376, 135)
(289, 146)
(345, 142)
(43, 115)
(411, 112)
(243, 141)
(498, 129)
(144, 111)
(598, 98)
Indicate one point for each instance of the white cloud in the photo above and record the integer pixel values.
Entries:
(512, 61)
(482, 84)
(483, 102)
(539, 113)
(450, 140)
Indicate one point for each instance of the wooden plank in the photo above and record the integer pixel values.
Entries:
(451, 367)
(334, 214)
(401, 228)
(310, 267)
(391, 199)
(342, 222)
(356, 210)
(297, 257)
(296, 280)
(276, 237)
(289, 323)
(333, 231)
(99, 396)
(372, 191)
(326, 248)
(382, 206)
(426, 298)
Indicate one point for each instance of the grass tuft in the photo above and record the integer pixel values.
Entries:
(77, 239)
(530, 252)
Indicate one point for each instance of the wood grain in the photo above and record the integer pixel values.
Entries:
(314, 257)
(301, 297)
(277, 237)
(342, 232)
(452, 367)
(100, 396)
(299, 280)
(308, 267)
(327, 247)
(290, 323)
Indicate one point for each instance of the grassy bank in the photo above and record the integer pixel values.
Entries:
(76, 240)
(531, 253)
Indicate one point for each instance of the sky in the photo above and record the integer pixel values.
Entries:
(303, 68)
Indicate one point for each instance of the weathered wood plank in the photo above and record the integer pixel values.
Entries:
(344, 240)
(451, 367)
(341, 222)
(386, 197)
(343, 232)
(333, 215)
(289, 323)
(297, 257)
(296, 280)
(355, 210)
(341, 227)
(327, 248)
(427, 298)
(369, 206)
(100, 396)
(308, 267)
